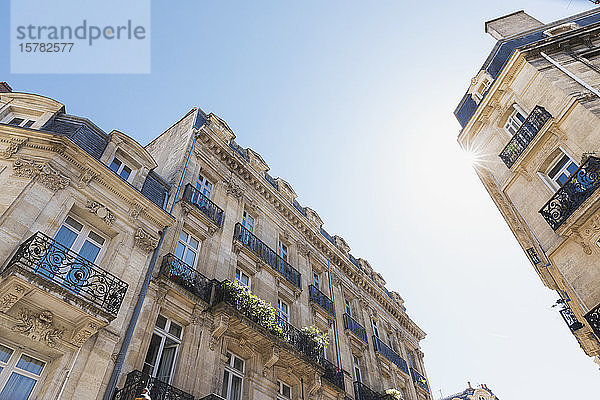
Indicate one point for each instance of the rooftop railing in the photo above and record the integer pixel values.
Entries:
(354, 327)
(321, 299)
(204, 204)
(577, 189)
(185, 276)
(524, 135)
(268, 255)
(56, 263)
(390, 354)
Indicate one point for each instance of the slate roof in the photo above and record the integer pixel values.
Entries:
(505, 48)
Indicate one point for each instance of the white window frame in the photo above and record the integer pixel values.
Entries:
(204, 186)
(121, 167)
(164, 335)
(10, 366)
(83, 235)
(348, 307)
(283, 251)
(233, 371)
(358, 376)
(280, 391)
(552, 184)
(241, 274)
(248, 221)
(26, 118)
(375, 328)
(187, 247)
(283, 312)
(512, 122)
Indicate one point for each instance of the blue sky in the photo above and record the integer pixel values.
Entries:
(352, 104)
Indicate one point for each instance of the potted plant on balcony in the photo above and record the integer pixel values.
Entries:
(394, 394)
(319, 340)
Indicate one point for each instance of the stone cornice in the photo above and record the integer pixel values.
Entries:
(242, 168)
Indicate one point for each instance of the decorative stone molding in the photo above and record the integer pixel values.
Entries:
(233, 189)
(83, 333)
(286, 189)
(257, 162)
(220, 326)
(303, 248)
(38, 326)
(86, 177)
(364, 264)
(378, 278)
(341, 244)
(101, 212)
(10, 298)
(271, 358)
(145, 240)
(134, 211)
(313, 217)
(43, 172)
(13, 148)
(316, 384)
(198, 315)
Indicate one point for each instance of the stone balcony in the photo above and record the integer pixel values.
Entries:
(53, 294)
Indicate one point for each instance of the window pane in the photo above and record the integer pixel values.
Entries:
(558, 166)
(16, 121)
(28, 123)
(193, 243)
(5, 353)
(161, 322)
(115, 164)
(152, 354)
(225, 383)
(125, 172)
(236, 388)
(179, 250)
(65, 236)
(572, 168)
(18, 387)
(238, 364)
(190, 258)
(175, 330)
(96, 238)
(167, 359)
(89, 251)
(74, 224)
(30, 364)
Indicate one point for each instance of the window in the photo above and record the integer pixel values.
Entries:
(411, 360)
(563, 167)
(375, 330)
(284, 391)
(248, 222)
(348, 308)
(187, 249)
(204, 186)
(356, 366)
(242, 278)
(283, 310)
(16, 121)
(19, 374)
(233, 378)
(121, 169)
(25, 123)
(282, 250)
(163, 349)
(390, 342)
(316, 280)
(515, 120)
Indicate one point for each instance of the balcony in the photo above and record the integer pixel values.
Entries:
(185, 276)
(55, 267)
(576, 190)
(390, 354)
(570, 319)
(204, 204)
(321, 299)
(333, 375)
(267, 255)
(136, 381)
(363, 392)
(419, 380)
(357, 329)
(524, 135)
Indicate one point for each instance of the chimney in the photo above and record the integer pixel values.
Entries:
(469, 383)
(511, 25)
(5, 87)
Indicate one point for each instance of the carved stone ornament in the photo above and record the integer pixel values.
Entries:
(303, 248)
(135, 211)
(220, 326)
(43, 172)
(11, 297)
(82, 335)
(101, 211)
(233, 189)
(38, 326)
(86, 177)
(145, 240)
(13, 148)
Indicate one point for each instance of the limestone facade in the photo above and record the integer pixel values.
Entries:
(533, 129)
(85, 215)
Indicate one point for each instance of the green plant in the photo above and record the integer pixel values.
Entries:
(396, 394)
(320, 338)
(252, 306)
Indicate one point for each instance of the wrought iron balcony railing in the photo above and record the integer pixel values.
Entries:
(570, 319)
(363, 392)
(269, 256)
(577, 189)
(159, 390)
(354, 327)
(593, 318)
(524, 135)
(419, 379)
(274, 325)
(54, 262)
(186, 277)
(204, 204)
(321, 299)
(212, 396)
(390, 354)
(333, 374)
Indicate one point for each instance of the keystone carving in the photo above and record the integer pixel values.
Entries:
(43, 172)
(13, 148)
(221, 326)
(38, 326)
(135, 211)
(101, 211)
(145, 240)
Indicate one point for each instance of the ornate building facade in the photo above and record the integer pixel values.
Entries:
(530, 117)
(479, 393)
(182, 266)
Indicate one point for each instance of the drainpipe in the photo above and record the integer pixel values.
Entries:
(570, 74)
(335, 333)
(112, 383)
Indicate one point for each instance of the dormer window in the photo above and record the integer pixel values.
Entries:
(480, 85)
(22, 122)
(121, 169)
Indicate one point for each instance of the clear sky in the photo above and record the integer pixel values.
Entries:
(351, 102)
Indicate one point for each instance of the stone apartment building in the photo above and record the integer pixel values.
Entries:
(470, 393)
(531, 118)
(182, 266)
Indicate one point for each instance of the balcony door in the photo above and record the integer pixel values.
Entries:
(187, 249)
(163, 350)
(205, 187)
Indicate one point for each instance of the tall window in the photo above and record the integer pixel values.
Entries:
(163, 349)
(375, 330)
(124, 171)
(515, 120)
(283, 310)
(282, 250)
(233, 378)
(561, 169)
(348, 308)
(284, 392)
(248, 222)
(187, 249)
(390, 341)
(411, 360)
(242, 278)
(204, 186)
(19, 373)
(356, 366)
(316, 280)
